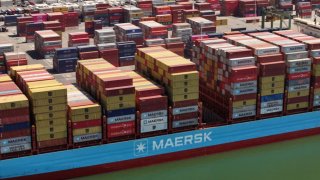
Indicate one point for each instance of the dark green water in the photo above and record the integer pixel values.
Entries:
(290, 160)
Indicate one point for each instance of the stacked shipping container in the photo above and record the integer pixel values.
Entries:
(180, 79)
(313, 46)
(128, 32)
(85, 116)
(46, 42)
(271, 80)
(65, 59)
(15, 59)
(116, 94)
(48, 99)
(4, 48)
(15, 134)
(298, 67)
(153, 117)
(78, 39)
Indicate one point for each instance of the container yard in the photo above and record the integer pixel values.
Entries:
(151, 81)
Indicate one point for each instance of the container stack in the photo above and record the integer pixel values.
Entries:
(229, 7)
(40, 17)
(15, 129)
(128, 32)
(247, 8)
(88, 52)
(116, 94)
(153, 30)
(165, 19)
(272, 72)
(206, 11)
(65, 60)
(91, 26)
(4, 48)
(200, 25)
(55, 26)
(161, 10)
(132, 14)
(71, 19)
(286, 5)
(48, 99)
(175, 45)
(180, 79)
(315, 4)
(88, 9)
(22, 25)
(103, 36)
(304, 9)
(11, 20)
(182, 30)
(177, 13)
(15, 59)
(57, 16)
(46, 42)
(110, 53)
(154, 42)
(85, 116)
(215, 5)
(116, 15)
(228, 79)
(126, 52)
(31, 28)
(261, 4)
(153, 117)
(103, 16)
(190, 13)
(313, 45)
(145, 6)
(78, 39)
(298, 71)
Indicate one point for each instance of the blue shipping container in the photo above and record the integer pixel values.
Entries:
(271, 97)
(119, 112)
(87, 48)
(15, 127)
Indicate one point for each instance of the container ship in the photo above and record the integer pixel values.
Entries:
(140, 96)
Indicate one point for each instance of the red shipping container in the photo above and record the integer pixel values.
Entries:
(299, 75)
(13, 134)
(52, 143)
(298, 99)
(116, 91)
(89, 55)
(87, 124)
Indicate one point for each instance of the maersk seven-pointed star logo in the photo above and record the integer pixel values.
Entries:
(140, 147)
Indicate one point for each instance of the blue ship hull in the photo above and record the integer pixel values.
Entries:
(133, 153)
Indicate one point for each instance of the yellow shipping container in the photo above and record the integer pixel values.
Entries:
(49, 109)
(83, 131)
(183, 97)
(51, 129)
(277, 84)
(248, 102)
(52, 122)
(297, 105)
(182, 84)
(50, 101)
(85, 117)
(41, 84)
(317, 91)
(316, 67)
(58, 135)
(298, 94)
(122, 105)
(48, 92)
(266, 92)
(13, 102)
(271, 79)
(118, 99)
(15, 69)
(88, 109)
(51, 115)
(5, 78)
(191, 76)
(182, 91)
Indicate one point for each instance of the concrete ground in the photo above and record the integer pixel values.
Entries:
(21, 46)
